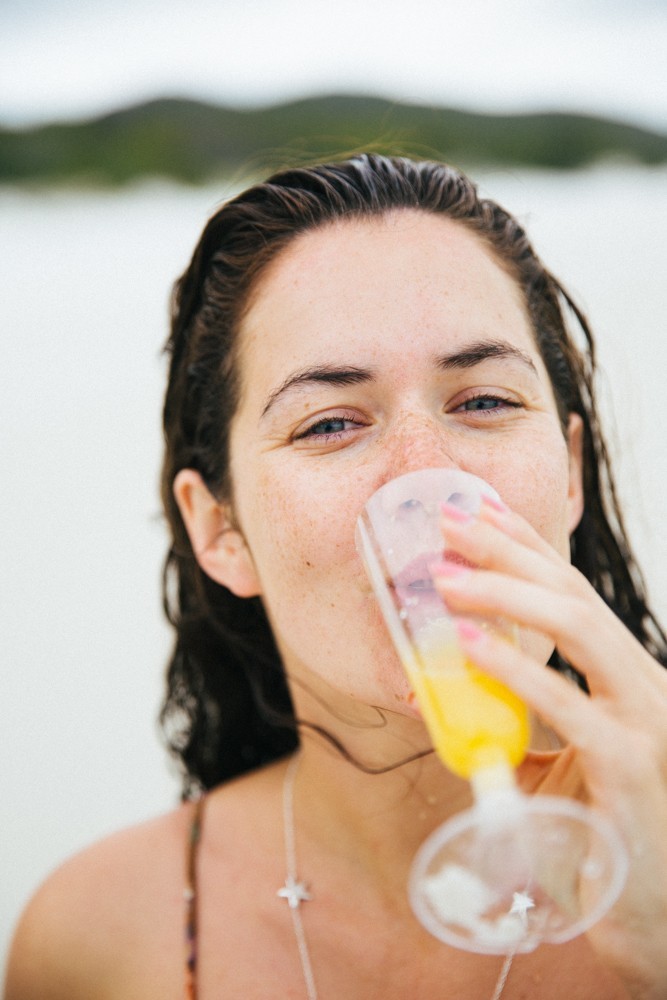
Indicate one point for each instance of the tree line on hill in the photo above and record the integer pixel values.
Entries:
(194, 142)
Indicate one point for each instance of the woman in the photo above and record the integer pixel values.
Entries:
(338, 326)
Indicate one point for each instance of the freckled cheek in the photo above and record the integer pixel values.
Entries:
(537, 489)
(301, 537)
(540, 495)
(314, 586)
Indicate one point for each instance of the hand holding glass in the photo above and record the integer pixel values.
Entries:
(514, 870)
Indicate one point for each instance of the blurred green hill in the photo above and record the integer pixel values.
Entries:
(194, 142)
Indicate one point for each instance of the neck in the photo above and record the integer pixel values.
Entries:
(374, 807)
(373, 822)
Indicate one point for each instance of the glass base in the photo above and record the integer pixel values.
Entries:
(515, 871)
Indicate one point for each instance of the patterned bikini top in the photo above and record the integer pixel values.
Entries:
(191, 899)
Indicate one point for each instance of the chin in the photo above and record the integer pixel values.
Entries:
(396, 695)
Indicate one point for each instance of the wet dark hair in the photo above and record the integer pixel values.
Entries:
(227, 707)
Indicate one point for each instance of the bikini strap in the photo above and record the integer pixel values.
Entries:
(191, 899)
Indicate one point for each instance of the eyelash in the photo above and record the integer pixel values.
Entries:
(511, 403)
(311, 430)
(327, 435)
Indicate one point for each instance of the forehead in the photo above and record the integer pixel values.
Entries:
(339, 246)
(398, 273)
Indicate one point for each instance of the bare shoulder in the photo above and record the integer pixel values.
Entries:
(103, 916)
(109, 923)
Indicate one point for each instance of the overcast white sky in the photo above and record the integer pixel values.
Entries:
(73, 58)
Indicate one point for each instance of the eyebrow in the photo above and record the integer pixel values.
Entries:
(473, 354)
(329, 374)
(484, 350)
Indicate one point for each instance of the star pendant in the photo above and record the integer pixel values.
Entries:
(521, 903)
(294, 892)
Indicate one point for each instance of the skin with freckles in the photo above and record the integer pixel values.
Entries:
(369, 349)
(442, 370)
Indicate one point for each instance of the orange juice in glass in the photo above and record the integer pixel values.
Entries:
(514, 870)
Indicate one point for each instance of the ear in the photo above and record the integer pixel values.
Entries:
(575, 496)
(218, 545)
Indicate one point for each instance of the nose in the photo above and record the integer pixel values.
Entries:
(419, 441)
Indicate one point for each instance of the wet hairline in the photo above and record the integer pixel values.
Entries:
(370, 217)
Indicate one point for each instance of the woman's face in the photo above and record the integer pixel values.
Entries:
(369, 349)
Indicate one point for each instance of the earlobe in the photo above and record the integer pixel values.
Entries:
(218, 545)
(575, 499)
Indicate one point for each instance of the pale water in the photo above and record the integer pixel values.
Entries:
(85, 282)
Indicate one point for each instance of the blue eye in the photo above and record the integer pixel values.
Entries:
(327, 429)
(331, 425)
(482, 403)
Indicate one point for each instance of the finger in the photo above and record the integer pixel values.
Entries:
(576, 620)
(517, 527)
(559, 702)
(587, 632)
(502, 542)
(612, 752)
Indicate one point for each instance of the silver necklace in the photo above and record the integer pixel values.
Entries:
(295, 892)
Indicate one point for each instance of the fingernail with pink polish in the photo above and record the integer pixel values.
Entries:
(468, 631)
(455, 513)
(495, 504)
(447, 568)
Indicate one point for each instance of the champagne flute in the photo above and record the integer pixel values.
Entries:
(514, 870)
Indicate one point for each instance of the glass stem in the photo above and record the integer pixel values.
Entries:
(498, 777)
